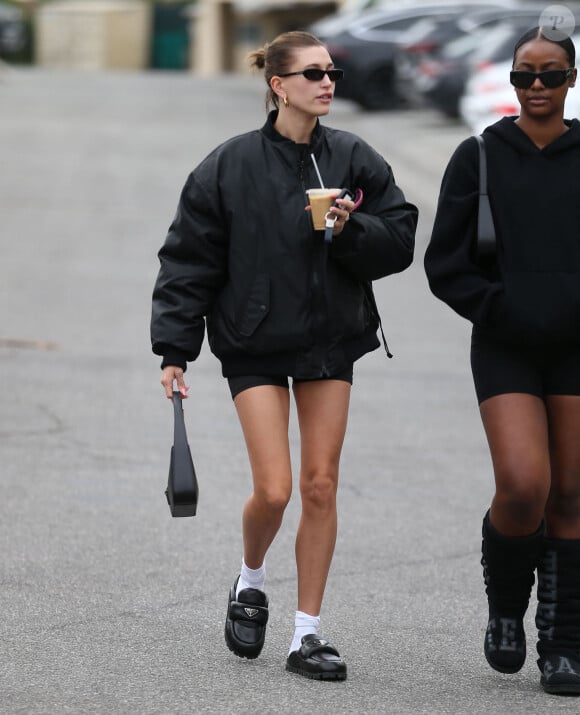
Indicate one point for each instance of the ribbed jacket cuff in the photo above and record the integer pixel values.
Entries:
(174, 357)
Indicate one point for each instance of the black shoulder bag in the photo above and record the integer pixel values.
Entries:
(485, 229)
(182, 490)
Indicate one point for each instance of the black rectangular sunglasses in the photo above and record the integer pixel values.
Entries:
(549, 78)
(315, 75)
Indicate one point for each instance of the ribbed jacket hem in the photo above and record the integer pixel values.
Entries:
(297, 364)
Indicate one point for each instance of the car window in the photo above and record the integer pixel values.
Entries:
(394, 25)
(398, 30)
(498, 42)
(462, 46)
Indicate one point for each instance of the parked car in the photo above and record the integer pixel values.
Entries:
(438, 76)
(349, 12)
(368, 49)
(489, 96)
(488, 37)
(416, 59)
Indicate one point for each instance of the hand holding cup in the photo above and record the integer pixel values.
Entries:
(323, 201)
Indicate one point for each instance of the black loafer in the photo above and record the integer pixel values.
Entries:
(246, 620)
(316, 659)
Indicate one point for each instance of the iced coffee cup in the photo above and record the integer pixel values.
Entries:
(320, 201)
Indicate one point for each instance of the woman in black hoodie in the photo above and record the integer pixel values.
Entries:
(525, 353)
(280, 300)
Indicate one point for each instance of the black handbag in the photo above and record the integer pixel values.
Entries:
(485, 228)
(182, 489)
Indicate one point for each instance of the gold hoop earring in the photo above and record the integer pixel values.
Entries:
(286, 102)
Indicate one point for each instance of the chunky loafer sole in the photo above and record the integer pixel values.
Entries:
(316, 659)
(247, 616)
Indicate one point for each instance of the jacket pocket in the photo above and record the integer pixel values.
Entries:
(256, 307)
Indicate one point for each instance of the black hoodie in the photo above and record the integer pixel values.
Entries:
(531, 292)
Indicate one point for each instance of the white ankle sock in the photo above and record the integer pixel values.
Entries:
(251, 578)
(303, 625)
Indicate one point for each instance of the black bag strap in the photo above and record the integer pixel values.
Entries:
(179, 433)
(368, 289)
(486, 241)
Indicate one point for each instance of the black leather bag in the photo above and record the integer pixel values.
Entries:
(182, 489)
(485, 228)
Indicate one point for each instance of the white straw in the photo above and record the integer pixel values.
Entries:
(317, 172)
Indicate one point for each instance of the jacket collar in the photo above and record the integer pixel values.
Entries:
(269, 130)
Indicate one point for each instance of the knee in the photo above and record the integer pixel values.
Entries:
(318, 491)
(273, 500)
(522, 497)
(564, 502)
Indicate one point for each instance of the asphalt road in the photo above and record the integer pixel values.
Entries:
(108, 605)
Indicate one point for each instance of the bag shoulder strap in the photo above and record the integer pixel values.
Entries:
(486, 240)
(482, 165)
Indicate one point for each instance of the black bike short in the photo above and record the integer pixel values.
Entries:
(499, 368)
(237, 384)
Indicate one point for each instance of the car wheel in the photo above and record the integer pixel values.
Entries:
(378, 89)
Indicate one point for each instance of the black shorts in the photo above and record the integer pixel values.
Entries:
(237, 384)
(499, 368)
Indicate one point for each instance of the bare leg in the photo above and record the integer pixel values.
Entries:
(517, 433)
(263, 412)
(322, 415)
(563, 509)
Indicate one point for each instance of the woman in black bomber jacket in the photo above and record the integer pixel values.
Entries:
(282, 300)
(525, 353)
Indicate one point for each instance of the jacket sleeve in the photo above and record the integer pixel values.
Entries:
(453, 273)
(379, 238)
(193, 270)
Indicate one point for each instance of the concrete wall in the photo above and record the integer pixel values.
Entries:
(223, 32)
(93, 34)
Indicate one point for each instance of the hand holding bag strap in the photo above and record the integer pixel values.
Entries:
(182, 489)
(485, 228)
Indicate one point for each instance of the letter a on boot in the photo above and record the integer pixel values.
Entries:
(508, 564)
(558, 616)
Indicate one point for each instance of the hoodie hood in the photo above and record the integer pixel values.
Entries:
(509, 132)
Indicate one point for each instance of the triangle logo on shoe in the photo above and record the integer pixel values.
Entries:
(251, 612)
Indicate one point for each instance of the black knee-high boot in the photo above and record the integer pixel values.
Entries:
(558, 616)
(508, 564)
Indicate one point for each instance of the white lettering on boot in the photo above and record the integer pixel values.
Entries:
(508, 632)
(565, 666)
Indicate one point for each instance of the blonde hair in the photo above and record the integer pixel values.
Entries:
(275, 57)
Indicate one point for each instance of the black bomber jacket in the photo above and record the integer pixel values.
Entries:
(241, 255)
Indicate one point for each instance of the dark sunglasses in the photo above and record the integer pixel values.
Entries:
(549, 78)
(316, 75)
